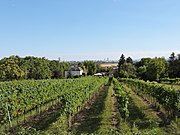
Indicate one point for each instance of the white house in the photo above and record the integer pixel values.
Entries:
(73, 71)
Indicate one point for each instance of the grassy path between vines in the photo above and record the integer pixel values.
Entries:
(100, 117)
(142, 116)
(110, 115)
(89, 120)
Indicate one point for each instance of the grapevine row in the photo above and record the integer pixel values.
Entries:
(168, 97)
(122, 98)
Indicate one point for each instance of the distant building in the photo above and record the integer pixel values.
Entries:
(73, 71)
(98, 74)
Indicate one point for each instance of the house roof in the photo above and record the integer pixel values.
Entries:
(75, 68)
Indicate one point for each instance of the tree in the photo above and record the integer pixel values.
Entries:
(172, 57)
(10, 69)
(141, 67)
(156, 69)
(84, 68)
(178, 56)
(90, 66)
(57, 68)
(174, 66)
(143, 62)
(54, 67)
(121, 62)
(80, 65)
(31, 67)
(37, 68)
(129, 60)
(128, 70)
(141, 71)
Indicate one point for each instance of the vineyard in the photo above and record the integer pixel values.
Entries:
(21, 97)
(158, 95)
(88, 105)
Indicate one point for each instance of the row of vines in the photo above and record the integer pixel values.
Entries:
(20, 97)
(169, 80)
(167, 97)
(122, 99)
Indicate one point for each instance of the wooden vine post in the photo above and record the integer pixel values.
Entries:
(9, 117)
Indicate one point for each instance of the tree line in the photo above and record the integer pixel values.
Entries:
(30, 67)
(151, 69)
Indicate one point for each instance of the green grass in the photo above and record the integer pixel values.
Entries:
(109, 119)
(142, 117)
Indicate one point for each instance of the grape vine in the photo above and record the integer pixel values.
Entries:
(26, 95)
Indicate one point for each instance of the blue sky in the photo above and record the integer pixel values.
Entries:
(89, 29)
